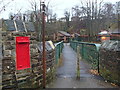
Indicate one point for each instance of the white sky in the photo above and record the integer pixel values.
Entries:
(58, 6)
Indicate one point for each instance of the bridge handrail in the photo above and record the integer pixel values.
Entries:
(94, 44)
(58, 51)
(58, 43)
(88, 51)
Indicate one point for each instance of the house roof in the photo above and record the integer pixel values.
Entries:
(104, 33)
(116, 31)
(0, 23)
(29, 26)
(21, 26)
(77, 34)
(64, 33)
(10, 25)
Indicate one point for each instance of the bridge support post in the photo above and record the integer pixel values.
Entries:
(78, 62)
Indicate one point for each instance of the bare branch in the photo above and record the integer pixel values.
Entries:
(4, 5)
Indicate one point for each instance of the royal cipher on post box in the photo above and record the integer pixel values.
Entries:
(22, 53)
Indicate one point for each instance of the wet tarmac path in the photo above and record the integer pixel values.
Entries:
(66, 74)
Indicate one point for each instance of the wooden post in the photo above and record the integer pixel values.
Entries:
(78, 63)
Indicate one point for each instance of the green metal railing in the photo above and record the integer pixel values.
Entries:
(58, 51)
(74, 45)
(88, 52)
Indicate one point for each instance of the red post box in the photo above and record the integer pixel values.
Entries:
(22, 53)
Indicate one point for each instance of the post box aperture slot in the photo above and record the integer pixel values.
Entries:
(23, 42)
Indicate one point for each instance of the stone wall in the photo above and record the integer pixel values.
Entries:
(0, 54)
(110, 61)
(0, 58)
(26, 78)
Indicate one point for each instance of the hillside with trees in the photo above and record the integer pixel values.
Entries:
(88, 18)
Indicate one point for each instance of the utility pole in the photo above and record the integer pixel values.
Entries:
(43, 42)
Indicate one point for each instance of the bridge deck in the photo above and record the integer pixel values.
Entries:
(66, 74)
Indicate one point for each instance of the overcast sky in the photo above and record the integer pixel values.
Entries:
(58, 6)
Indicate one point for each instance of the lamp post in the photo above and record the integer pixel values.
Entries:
(43, 43)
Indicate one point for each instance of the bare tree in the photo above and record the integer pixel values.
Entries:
(4, 4)
(118, 14)
(108, 13)
(17, 16)
(90, 13)
(36, 15)
(76, 14)
(67, 18)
